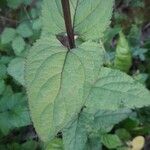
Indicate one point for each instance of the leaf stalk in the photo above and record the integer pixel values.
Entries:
(68, 23)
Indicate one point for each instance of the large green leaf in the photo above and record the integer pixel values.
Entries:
(88, 127)
(114, 90)
(58, 81)
(89, 18)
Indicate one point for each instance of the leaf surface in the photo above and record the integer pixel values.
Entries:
(75, 136)
(8, 35)
(85, 131)
(14, 4)
(114, 90)
(2, 86)
(24, 30)
(16, 69)
(18, 45)
(89, 18)
(56, 79)
(55, 144)
(111, 141)
(13, 112)
(3, 72)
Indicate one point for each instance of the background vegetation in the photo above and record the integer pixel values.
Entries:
(129, 51)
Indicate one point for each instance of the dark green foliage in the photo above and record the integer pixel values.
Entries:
(19, 27)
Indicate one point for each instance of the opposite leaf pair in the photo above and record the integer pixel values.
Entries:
(63, 85)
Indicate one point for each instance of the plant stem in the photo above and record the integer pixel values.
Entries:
(68, 23)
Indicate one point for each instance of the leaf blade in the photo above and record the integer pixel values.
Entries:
(114, 90)
(55, 74)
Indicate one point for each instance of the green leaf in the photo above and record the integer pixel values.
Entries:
(29, 144)
(55, 144)
(3, 71)
(130, 123)
(14, 3)
(124, 148)
(13, 112)
(75, 136)
(123, 134)
(55, 82)
(25, 146)
(89, 18)
(2, 86)
(24, 30)
(111, 141)
(36, 24)
(34, 13)
(139, 53)
(18, 45)
(104, 121)
(134, 36)
(47, 65)
(16, 69)
(5, 60)
(114, 90)
(93, 143)
(123, 58)
(14, 145)
(91, 56)
(8, 35)
(27, 2)
(141, 77)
